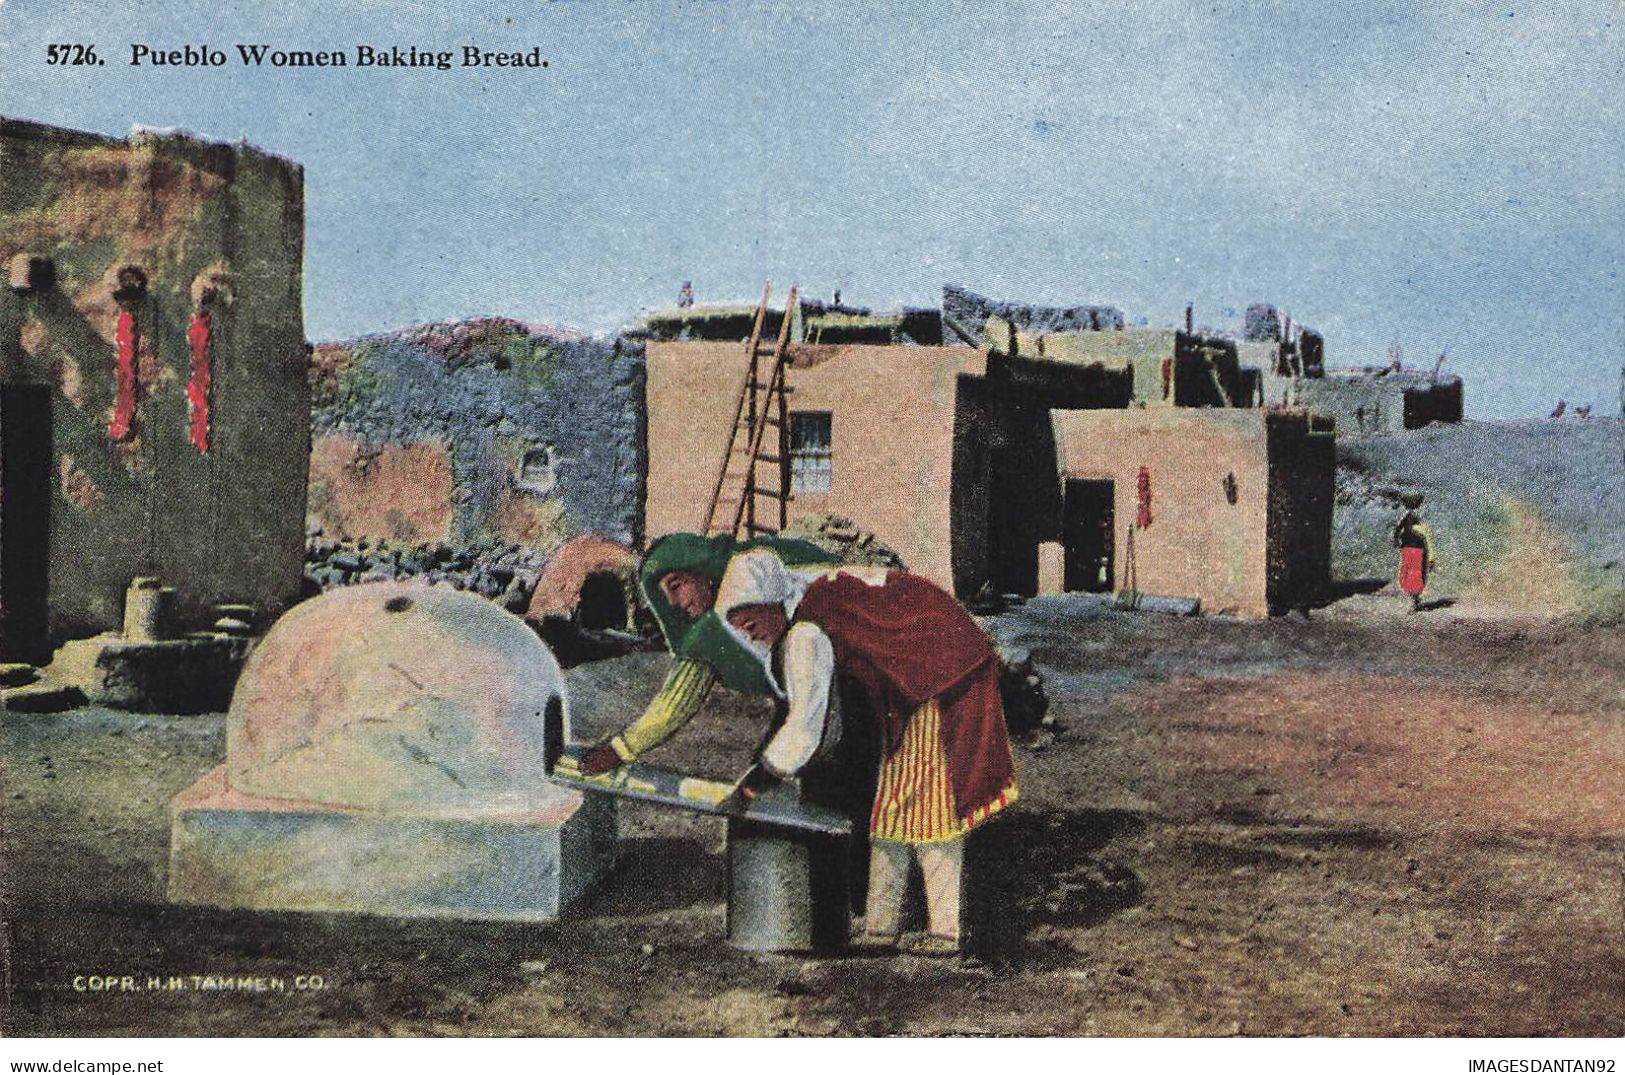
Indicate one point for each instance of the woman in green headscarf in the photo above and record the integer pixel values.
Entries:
(679, 577)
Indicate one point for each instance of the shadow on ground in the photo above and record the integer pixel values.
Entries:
(658, 873)
(1043, 868)
(1338, 589)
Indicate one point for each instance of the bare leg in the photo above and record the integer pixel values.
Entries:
(888, 873)
(942, 866)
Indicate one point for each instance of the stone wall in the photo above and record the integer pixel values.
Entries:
(149, 232)
(479, 431)
(965, 313)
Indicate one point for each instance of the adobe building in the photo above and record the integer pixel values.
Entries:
(967, 460)
(853, 409)
(1382, 400)
(154, 414)
(1232, 507)
(1371, 399)
(814, 321)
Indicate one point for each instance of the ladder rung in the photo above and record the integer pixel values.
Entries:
(747, 438)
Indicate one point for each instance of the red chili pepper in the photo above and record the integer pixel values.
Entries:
(197, 388)
(128, 338)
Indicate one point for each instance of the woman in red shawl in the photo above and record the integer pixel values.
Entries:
(931, 675)
(1414, 541)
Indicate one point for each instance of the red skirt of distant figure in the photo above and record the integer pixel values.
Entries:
(1413, 569)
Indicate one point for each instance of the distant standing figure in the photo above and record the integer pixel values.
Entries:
(685, 296)
(1414, 541)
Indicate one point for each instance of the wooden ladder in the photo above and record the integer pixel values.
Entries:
(761, 405)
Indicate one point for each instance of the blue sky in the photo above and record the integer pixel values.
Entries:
(1440, 175)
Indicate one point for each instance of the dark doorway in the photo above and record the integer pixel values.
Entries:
(1086, 532)
(25, 521)
(602, 604)
(1024, 502)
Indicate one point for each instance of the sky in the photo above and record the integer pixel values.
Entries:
(1443, 176)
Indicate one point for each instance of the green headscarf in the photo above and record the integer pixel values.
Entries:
(706, 638)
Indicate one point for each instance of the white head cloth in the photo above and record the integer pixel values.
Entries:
(758, 577)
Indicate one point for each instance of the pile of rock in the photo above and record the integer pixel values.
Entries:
(1357, 488)
(1026, 705)
(970, 312)
(505, 573)
(844, 538)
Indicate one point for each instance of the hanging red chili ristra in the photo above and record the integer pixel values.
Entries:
(1144, 518)
(128, 338)
(197, 387)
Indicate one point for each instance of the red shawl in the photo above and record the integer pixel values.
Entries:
(907, 642)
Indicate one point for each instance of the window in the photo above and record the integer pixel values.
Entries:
(810, 460)
(538, 472)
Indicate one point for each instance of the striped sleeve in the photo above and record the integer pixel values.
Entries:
(685, 690)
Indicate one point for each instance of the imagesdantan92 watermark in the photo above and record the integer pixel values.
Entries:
(198, 983)
(204, 55)
(1529, 1065)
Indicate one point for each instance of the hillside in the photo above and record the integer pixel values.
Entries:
(1528, 517)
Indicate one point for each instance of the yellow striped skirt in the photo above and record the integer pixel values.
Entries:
(915, 800)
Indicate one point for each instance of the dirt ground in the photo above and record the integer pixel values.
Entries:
(1365, 823)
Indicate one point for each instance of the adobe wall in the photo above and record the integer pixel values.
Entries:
(422, 436)
(1198, 543)
(1023, 499)
(976, 411)
(892, 430)
(221, 524)
(1375, 402)
(1303, 481)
